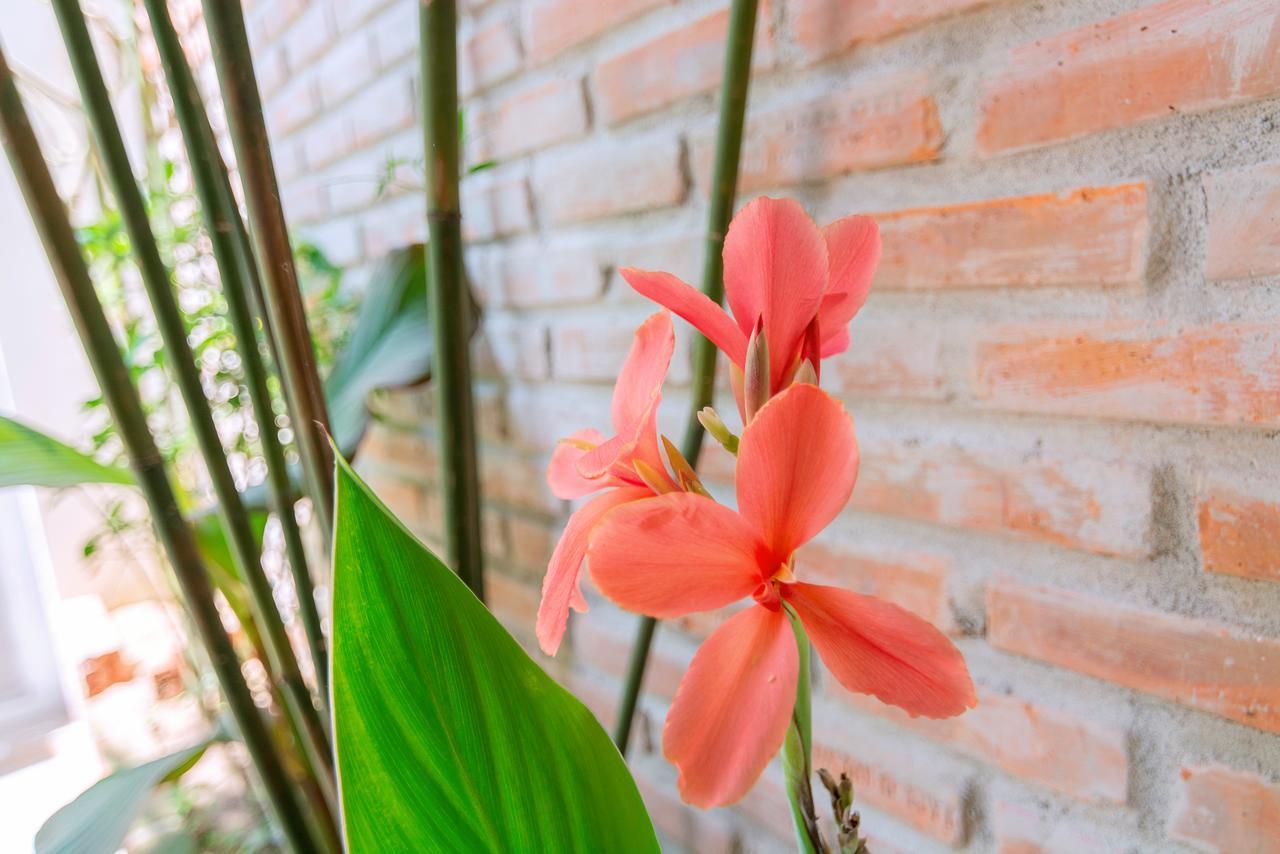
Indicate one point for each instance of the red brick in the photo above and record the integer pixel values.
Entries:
(1021, 829)
(1094, 236)
(551, 275)
(1045, 745)
(1244, 221)
(610, 179)
(677, 64)
(826, 27)
(516, 480)
(931, 803)
(1225, 810)
(532, 542)
(519, 347)
(1239, 533)
(889, 358)
(915, 580)
(593, 347)
(1177, 56)
(489, 55)
(891, 122)
(609, 648)
(495, 208)
(690, 828)
(1202, 665)
(551, 26)
(1220, 373)
(1099, 505)
(534, 118)
(513, 602)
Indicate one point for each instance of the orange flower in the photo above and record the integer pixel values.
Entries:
(629, 466)
(782, 273)
(673, 554)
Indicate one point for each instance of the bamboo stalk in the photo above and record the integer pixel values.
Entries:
(724, 184)
(156, 280)
(446, 289)
(50, 218)
(287, 316)
(213, 187)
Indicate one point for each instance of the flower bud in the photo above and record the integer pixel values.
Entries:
(755, 383)
(806, 373)
(711, 422)
(811, 351)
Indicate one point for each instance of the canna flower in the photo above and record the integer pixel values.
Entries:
(628, 466)
(787, 282)
(677, 553)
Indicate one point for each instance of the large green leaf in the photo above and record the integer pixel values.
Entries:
(29, 457)
(389, 346)
(448, 736)
(98, 819)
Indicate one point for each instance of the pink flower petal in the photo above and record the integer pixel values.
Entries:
(731, 712)
(693, 305)
(562, 474)
(874, 647)
(640, 380)
(797, 463)
(775, 267)
(560, 585)
(853, 251)
(674, 554)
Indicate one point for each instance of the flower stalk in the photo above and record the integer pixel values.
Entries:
(50, 218)
(448, 294)
(724, 184)
(797, 751)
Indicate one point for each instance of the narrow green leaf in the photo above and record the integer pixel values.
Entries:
(448, 736)
(97, 821)
(29, 457)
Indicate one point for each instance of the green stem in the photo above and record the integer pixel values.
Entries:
(156, 280)
(446, 290)
(213, 187)
(295, 354)
(50, 218)
(797, 752)
(724, 184)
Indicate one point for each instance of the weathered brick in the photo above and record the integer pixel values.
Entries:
(1239, 532)
(271, 19)
(1219, 373)
(395, 34)
(692, 829)
(387, 106)
(1021, 829)
(515, 479)
(1094, 504)
(592, 347)
(348, 67)
(393, 224)
(305, 202)
(1176, 56)
(1202, 665)
(890, 122)
(533, 118)
(1225, 810)
(1094, 236)
(512, 601)
(915, 580)
(326, 139)
(309, 36)
(1032, 741)
(551, 26)
(685, 61)
(826, 27)
(489, 54)
(1244, 218)
(551, 275)
(292, 106)
(889, 358)
(608, 648)
(495, 207)
(608, 179)
(519, 347)
(932, 803)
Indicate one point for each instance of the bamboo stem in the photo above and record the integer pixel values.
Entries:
(156, 280)
(50, 218)
(287, 316)
(213, 187)
(724, 183)
(446, 289)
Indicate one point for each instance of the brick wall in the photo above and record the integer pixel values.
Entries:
(1067, 379)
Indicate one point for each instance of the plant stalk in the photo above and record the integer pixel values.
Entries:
(155, 277)
(213, 187)
(448, 294)
(797, 752)
(50, 218)
(724, 185)
(295, 355)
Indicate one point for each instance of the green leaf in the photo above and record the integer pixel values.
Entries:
(448, 736)
(29, 457)
(390, 345)
(98, 819)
